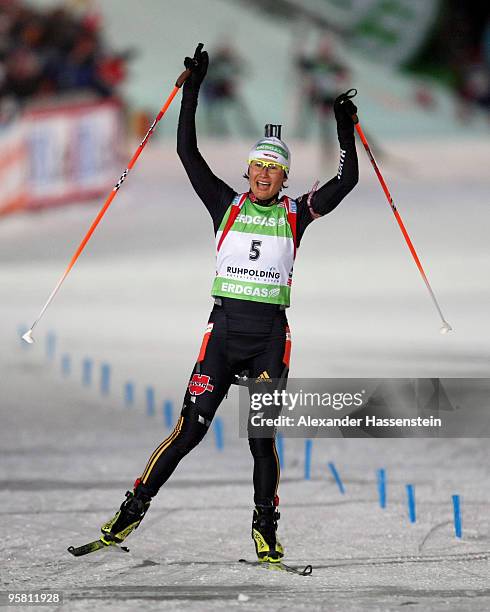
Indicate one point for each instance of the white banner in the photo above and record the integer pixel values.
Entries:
(72, 151)
(13, 168)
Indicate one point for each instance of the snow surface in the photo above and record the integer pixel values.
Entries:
(138, 299)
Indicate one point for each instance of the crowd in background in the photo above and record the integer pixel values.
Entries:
(471, 65)
(224, 106)
(458, 54)
(48, 52)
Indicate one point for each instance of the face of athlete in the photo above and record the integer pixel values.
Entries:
(265, 182)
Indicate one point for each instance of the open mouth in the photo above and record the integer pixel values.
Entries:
(263, 184)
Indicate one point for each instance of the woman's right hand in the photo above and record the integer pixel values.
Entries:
(198, 65)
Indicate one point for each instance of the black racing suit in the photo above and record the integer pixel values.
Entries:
(244, 335)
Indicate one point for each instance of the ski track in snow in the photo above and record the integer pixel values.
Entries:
(138, 299)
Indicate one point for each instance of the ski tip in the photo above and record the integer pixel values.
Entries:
(95, 546)
(307, 570)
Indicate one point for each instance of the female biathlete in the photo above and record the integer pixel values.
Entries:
(257, 235)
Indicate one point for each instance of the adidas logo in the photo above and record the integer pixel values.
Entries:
(264, 377)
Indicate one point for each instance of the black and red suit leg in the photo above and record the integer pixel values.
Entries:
(269, 372)
(208, 384)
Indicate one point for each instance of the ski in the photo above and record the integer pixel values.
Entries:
(281, 567)
(93, 547)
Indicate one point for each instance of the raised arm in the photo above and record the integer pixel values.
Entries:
(329, 195)
(215, 194)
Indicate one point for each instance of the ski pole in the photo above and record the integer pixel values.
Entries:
(178, 84)
(445, 325)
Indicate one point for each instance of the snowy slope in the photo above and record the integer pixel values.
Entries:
(139, 298)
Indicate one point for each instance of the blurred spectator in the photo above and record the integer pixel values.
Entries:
(224, 106)
(471, 65)
(55, 51)
(458, 53)
(323, 76)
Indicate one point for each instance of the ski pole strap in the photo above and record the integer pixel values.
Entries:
(351, 94)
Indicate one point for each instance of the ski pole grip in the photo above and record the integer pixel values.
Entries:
(352, 93)
(182, 78)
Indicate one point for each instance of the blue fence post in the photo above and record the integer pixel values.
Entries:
(150, 401)
(105, 378)
(458, 526)
(50, 345)
(308, 448)
(87, 366)
(381, 480)
(218, 433)
(280, 449)
(336, 476)
(168, 417)
(65, 365)
(412, 515)
(128, 394)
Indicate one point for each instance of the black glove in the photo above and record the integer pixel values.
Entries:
(198, 65)
(344, 108)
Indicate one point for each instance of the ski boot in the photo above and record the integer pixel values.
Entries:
(128, 517)
(264, 527)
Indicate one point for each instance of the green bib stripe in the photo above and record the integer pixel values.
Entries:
(255, 292)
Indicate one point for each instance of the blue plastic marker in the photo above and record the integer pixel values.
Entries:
(128, 394)
(105, 378)
(337, 478)
(381, 480)
(280, 449)
(150, 401)
(50, 345)
(218, 433)
(458, 527)
(87, 366)
(308, 447)
(65, 364)
(412, 515)
(168, 417)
